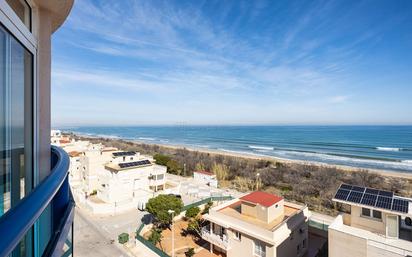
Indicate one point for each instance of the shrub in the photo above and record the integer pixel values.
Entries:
(207, 207)
(156, 236)
(190, 252)
(192, 212)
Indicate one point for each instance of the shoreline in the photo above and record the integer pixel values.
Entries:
(391, 173)
(351, 169)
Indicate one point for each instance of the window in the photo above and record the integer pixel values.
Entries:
(160, 177)
(298, 249)
(366, 212)
(304, 243)
(260, 249)
(22, 9)
(238, 236)
(377, 214)
(16, 125)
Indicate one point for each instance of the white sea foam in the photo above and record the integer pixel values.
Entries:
(258, 147)
(147, 138)
(342, 160)
(108, 136)
(391, 149)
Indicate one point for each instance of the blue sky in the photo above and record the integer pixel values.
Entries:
(233, 62)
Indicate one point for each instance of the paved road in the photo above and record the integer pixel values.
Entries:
(90, 241)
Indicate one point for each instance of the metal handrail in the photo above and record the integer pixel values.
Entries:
(18, 220)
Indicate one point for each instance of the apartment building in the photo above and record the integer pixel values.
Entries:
(376, 223)
(36, 208)
(130, 176)
(258, 224)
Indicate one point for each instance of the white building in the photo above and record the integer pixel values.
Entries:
(205, 177)
(130, 177)
(377, 223)
(57, 139)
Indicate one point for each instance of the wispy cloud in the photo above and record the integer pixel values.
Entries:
(216, 48)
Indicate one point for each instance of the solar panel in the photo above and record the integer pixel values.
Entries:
(400, 205)
(358, 189)
(369, 199)
(372, 191)
(384, 202)
(355, 197)
(116, 154)
(134, 164)
(346, 186)
(342, 194)
(386, 193)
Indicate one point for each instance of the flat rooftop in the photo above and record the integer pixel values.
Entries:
(116, 167)
(233, 211)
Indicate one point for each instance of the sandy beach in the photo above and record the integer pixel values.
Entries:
(381, 172)
(281, 160)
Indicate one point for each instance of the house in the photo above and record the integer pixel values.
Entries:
(257, 224)
(376, 223)
(129, 177)
(205, 177)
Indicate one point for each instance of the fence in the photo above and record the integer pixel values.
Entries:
(318, 225)
(206, 200)
(148, 243)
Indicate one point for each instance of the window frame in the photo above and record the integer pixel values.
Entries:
(262, 251)
(237, 235)
(371, 214)
(23, 35)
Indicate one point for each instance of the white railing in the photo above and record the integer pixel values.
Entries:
(221, 241)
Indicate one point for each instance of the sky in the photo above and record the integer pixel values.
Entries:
(233, 62)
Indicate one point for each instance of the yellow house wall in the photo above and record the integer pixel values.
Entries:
(346, 245)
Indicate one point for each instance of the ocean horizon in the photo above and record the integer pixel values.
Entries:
(386, 147)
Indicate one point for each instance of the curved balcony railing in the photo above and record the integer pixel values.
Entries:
(54, 190)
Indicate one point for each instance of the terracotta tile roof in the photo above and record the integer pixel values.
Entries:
(261, 198)
(205, 172)
(74, 154)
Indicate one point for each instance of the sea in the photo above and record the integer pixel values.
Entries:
(377, 147)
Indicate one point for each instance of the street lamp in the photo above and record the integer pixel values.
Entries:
(173, 234)
(257, 181)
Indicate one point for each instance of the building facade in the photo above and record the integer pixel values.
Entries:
(130, 177)
(35, 206)
(375, 223)
(258, 224)
(205, 177)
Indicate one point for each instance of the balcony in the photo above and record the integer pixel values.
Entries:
(53, 191)
(219, 240)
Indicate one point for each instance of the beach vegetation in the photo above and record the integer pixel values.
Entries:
(309, 183)
(221, 171)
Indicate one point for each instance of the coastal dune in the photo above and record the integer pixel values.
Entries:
(312, 183)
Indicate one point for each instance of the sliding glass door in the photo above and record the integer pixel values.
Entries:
(16, 126)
